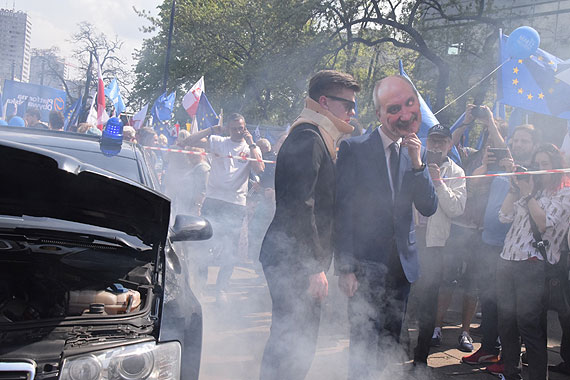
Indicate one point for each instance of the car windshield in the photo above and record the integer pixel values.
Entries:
(121, 165)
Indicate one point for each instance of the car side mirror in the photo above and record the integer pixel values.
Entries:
(190, 228)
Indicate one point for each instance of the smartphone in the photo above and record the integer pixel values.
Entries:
(499, 154)
(522, 177)
(434, 157)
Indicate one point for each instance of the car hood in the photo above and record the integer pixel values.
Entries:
(40, 182)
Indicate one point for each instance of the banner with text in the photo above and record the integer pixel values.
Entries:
(17, 97)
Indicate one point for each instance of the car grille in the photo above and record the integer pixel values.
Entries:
(17, 371)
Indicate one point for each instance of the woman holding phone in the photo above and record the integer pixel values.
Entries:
(542, 200)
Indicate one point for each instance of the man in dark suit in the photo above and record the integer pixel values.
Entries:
(381, 176)
(297, 249)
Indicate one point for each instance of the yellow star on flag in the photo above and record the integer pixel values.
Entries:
(516, 70)
(541, 96)
(515, 81)
(551, 63)
(520, 91)
(540, 58)
(520, 60)
(529, 96)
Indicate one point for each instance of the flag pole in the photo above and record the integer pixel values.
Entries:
(168, 47)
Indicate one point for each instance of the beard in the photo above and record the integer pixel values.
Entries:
(520, 156)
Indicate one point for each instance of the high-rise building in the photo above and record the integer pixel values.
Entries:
(47, 69)
(15, 45)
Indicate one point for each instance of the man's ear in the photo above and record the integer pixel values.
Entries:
(324, 102)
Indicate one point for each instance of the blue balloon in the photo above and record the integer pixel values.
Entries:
(523, 42)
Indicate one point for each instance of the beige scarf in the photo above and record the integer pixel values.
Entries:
(331, 127)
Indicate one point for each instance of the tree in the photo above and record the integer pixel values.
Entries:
(91, 45)
(405, 24)
(255, 54)
(52, 68)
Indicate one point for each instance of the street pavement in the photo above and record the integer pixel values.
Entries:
(235, 333)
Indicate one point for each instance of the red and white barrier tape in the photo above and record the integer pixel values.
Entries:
(244, 158)
(534, 172)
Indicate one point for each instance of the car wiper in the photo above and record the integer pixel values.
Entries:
(83, 239)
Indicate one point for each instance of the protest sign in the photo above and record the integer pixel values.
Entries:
(19, 96)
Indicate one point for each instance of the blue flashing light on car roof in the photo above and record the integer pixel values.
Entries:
(112, 137)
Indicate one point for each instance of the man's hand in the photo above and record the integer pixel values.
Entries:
(435, 174)
(248, 138)
(414, 145)
(508, 163)
(348, 284)
(469, 118)
(318, 286)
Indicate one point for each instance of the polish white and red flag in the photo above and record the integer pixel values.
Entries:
(192, 98)
(101, 113)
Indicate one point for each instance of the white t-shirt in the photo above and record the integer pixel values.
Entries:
(228, 176)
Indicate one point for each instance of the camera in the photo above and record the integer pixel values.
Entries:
(478, 111)
(434, 157)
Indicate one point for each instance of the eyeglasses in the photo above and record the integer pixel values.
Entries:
(349, 105)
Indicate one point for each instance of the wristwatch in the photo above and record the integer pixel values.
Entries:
(252, 146)
(420, 169)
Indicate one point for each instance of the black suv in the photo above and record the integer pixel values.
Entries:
(90, 285)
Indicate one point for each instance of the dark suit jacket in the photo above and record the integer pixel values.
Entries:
(368, 222)
(299, 236)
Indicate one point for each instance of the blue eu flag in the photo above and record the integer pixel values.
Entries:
(205, 115)
(72, 114)
(162, 108)
(530, 83)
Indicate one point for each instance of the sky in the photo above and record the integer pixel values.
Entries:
(53, 22)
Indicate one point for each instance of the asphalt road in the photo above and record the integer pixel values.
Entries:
(235, 334)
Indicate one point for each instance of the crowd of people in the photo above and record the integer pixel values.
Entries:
(390, 211)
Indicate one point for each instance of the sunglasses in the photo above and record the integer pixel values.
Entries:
(349, 105)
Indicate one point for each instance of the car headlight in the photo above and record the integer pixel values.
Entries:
(138, 361)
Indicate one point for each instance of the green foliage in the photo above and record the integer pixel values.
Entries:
(255, 55)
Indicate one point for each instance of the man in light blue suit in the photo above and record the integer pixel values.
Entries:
(381, 176)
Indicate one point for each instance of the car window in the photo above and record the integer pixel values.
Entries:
(124, 166)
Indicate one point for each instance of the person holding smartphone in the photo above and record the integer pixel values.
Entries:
(438, 264)
(466, 229)
(542, 200)
(521, 146)
(494, 131)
